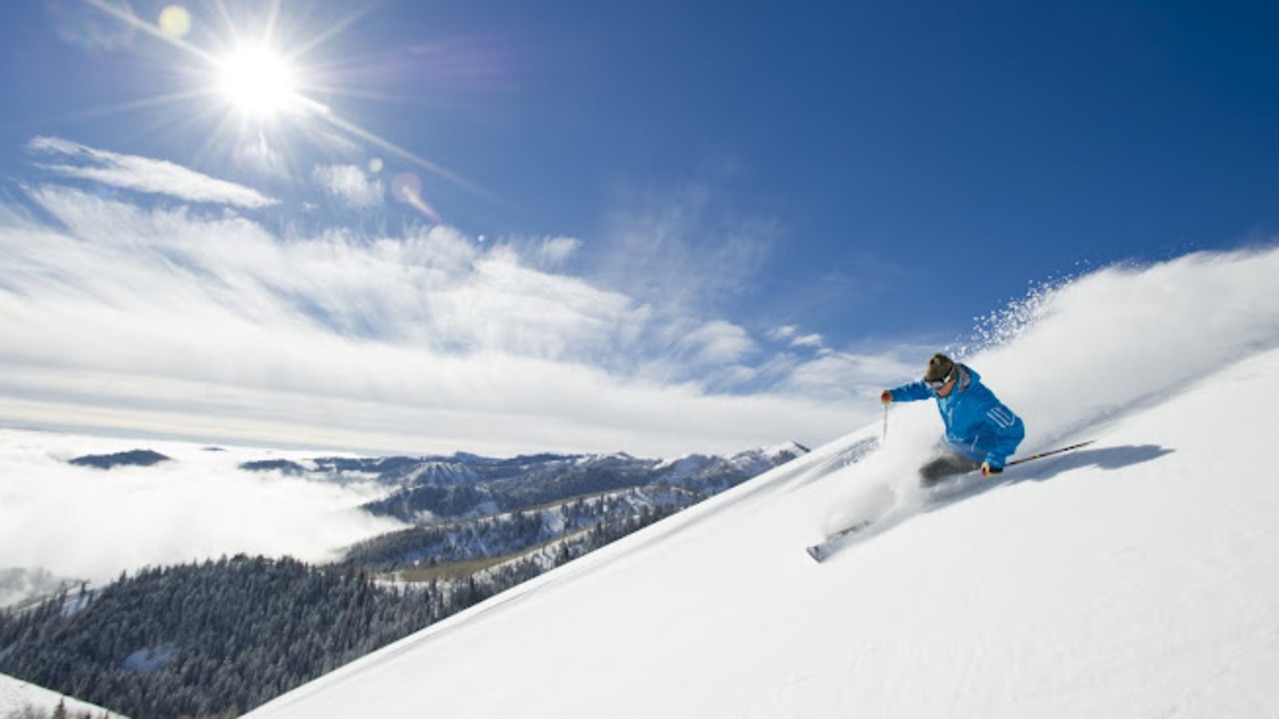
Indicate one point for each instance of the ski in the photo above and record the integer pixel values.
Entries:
(819, 552)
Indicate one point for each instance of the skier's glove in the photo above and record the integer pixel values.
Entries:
(988, 471)
(886, 397)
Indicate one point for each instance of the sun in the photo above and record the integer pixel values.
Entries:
(257, 82)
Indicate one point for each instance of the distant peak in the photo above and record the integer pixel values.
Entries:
(134, 458)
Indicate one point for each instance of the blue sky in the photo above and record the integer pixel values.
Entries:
(658, 227)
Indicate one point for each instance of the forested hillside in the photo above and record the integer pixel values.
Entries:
(208, 639)
(216, 638)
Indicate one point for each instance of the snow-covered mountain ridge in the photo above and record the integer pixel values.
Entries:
(1136, 577)
(434, 489)
(505, 508)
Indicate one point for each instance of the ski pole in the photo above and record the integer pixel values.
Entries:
(1050, 452)
(884, 439)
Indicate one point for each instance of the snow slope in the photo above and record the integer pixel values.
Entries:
(1138, 577)
(17, 696)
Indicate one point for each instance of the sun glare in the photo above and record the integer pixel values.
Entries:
(258, 101)
(257, 82)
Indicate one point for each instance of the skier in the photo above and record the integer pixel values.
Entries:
(980, 431)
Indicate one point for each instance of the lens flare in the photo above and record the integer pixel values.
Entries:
(407, 188)
(174, 21)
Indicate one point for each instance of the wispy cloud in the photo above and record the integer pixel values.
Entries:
(351, 185)
(196, 322)
(790, 334)
(683, 250)
(717, 343)
(143, 174)
(554, 251)
(852, 376)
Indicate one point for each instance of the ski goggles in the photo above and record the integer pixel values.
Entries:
(936, 384)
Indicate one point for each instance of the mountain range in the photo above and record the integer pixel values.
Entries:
(465, 507)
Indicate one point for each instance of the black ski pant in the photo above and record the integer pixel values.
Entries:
(944, 466)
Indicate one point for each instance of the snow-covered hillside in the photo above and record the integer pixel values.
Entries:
(17, 697)
(1136, 577)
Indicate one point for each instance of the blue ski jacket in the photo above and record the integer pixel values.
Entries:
(978, 425)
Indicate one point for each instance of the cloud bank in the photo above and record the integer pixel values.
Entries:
(191, 320)
(70, 522)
